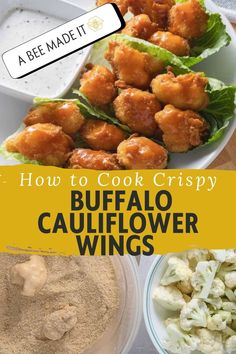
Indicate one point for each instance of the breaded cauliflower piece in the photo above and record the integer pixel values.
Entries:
(100, 135)
(175, 44)
(45, 143)
(177, 271)
(93, 160)
(138, 153)
(98, 85)
(137, 109)
(65, 114)
(182, 130)
(188, 19)
(131, 66)
(140, 26)
(168, 297)
(158, 11)
(183, 91)
(59, 322)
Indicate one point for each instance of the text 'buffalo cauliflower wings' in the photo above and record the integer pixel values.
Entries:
(46, 143)
(65, 114)
(183, 91)
(182, 130)
(131, 66)
(100, 135)
(98, 85)
(137, 109)
(188, 19)
(93, 160)
(141, 153)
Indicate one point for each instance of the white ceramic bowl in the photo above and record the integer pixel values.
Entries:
(61, 11)
(220, 65)
(155, 315)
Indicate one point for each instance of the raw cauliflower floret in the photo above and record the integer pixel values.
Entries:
(169, 297)
(194, 314)
(185, 287)
(217, 288)
(230, 294)
(196, 255)
(226, 268)
(210, 342)
(228, 256)
(216, 323)
(230, 280)
(180, 342)
(226, 316)
(219, 255)
(203, 278)
(177, 271)
(230, 344)
(216, 303)
(229, 306)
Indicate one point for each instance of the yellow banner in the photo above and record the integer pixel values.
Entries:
(48, 210)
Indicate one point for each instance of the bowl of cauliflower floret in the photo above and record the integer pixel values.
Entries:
(190, 302)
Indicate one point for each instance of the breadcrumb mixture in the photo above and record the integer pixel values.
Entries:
(76, 303)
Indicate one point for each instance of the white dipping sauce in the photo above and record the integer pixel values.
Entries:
(21, 25)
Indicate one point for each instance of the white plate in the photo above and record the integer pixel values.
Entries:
(220, 65)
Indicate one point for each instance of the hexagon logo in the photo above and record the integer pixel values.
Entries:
(95, 23)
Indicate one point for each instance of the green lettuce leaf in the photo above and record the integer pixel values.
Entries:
(168, 58)
(210, 43)
(87, 109)
(91, 111)
(16, 156)
(221, 108)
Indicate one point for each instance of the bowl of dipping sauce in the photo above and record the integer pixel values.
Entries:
(21, 21)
